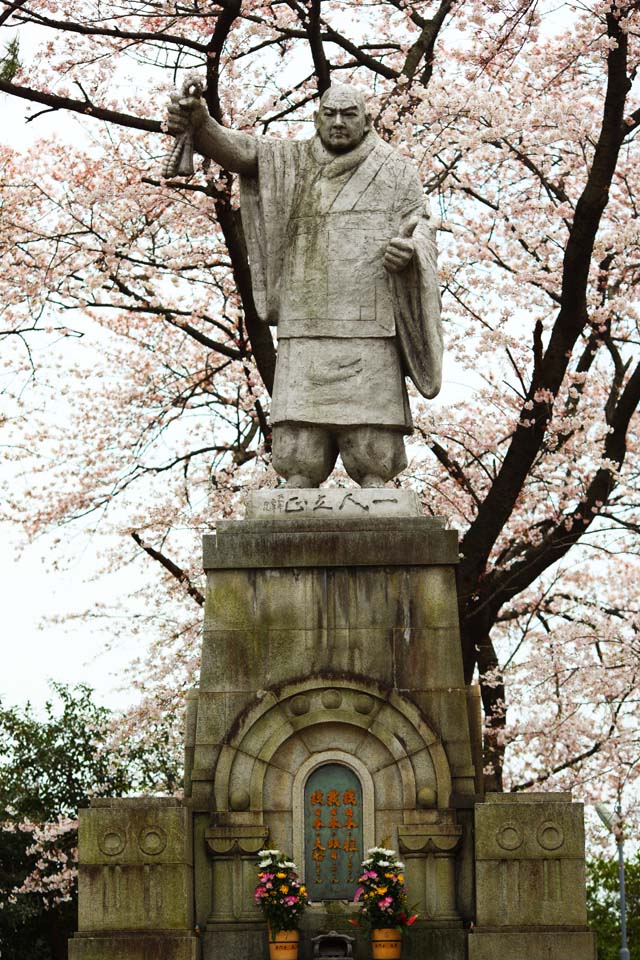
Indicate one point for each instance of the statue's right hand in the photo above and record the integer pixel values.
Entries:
(185, 112)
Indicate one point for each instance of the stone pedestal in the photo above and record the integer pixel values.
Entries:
(331, 668)
(331, 641)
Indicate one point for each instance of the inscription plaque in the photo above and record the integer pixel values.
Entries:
(332, 832)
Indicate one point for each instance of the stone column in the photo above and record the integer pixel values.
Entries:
(135, 881)
(530, 879)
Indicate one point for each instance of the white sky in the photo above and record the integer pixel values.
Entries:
(34, 648)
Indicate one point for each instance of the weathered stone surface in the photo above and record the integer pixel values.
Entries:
(354, 664)
(372, 542)
(530, 862)
(529, 830)
(520, 945)
(332, 503)
(371, 636)
(136, 830)
(135, 863)
(161, 947)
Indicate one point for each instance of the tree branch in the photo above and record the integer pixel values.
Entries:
(172, 567)
(56, 102)
(549, 370)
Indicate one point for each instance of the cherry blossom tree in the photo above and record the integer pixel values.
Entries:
(128, 298)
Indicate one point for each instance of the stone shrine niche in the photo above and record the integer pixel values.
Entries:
(333, 834)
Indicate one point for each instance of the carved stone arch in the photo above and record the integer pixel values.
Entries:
(268, 744)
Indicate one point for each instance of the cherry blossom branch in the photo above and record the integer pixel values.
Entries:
(173, 568)
(74, 26)
(454, 470)
(321, 65)
(423, 48)
(170, 317)
(10, 9)
(56, 102)
(501, 585)
(558, 768)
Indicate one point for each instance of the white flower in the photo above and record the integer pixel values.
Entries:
(383, 863)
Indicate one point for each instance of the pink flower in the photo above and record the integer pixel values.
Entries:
(358, 894)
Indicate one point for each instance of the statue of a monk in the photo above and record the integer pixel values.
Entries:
(343, 259)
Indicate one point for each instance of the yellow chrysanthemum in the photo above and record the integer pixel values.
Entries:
(284, 888)
(280, 876)
(381, 891)
(401, 878)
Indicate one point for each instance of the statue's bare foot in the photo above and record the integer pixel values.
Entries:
(298, 481)
(371, 480)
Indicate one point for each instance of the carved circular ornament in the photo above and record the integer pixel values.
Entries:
(426, 797)
(152, 840)
(509, 836)
(331, 699)
(363, 703)
(300, 705)
(550, 835)
(112, 842)
(239, 799)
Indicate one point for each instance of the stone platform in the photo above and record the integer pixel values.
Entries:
(331, 655)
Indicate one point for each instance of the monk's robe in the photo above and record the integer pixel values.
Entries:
(317, 226)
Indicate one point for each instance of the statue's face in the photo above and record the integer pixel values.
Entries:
(341, 121)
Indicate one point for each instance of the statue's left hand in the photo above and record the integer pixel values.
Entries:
(398, 254)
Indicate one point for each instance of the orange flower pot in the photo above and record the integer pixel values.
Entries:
(283, 945)
(386, 944)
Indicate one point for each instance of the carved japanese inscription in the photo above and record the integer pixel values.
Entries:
(332, 832)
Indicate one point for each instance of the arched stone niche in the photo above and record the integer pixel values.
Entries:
(294, 727)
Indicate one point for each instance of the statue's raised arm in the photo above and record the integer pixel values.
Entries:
(232, 149)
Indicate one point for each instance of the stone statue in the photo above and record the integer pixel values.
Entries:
(343, 259)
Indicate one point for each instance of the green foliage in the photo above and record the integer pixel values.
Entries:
(48, 769)
(10, 62)
(603, 905)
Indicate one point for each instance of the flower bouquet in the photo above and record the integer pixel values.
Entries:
(282, 899)
(382, 896)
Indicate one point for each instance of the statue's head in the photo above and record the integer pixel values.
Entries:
(342, 120)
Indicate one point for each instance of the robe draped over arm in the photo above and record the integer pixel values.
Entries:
(266, 202)
(417, 308)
